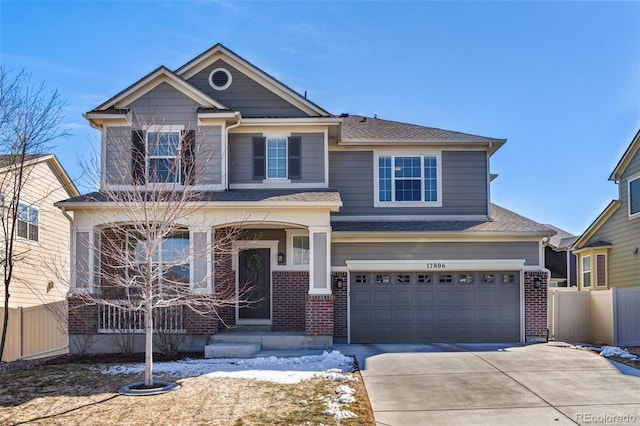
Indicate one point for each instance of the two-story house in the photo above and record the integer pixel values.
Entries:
(41, 251)
(365, 230)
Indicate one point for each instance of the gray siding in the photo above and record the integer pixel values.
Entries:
(163, 105)
(200, 255)
(278, 235)
(528, 250)
(624, 236)
(83, 273)
(241, 158)
(245, 95)
(320, 276)
(464, 184)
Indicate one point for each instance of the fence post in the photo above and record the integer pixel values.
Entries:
(614, 315)
(21, 330)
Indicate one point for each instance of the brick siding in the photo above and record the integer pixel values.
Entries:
(289, 293)
(319, 315)
(83, 318)
(535, 306)
(339, 307)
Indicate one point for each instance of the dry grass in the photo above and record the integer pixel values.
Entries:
(74, 394)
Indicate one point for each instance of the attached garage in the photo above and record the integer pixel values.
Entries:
(435, 306)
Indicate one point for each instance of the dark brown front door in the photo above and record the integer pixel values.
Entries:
(254, 281)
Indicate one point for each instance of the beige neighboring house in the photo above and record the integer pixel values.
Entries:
(40, 278)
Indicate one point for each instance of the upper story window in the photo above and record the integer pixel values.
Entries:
(634, 197)
(163, 154)
(408, 180)
(28, 222)
(277, 157)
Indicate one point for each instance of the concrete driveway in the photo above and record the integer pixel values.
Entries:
(496, 385)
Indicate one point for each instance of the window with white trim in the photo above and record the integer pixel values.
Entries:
(408, 180)
(163, 146)
(28, 222)
(634, 197)
(170, 259)
(586, 271)
(277, 158)
(300, 249)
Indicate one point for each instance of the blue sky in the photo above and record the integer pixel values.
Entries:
(559, 80)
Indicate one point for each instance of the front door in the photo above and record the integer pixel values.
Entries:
(254, 282)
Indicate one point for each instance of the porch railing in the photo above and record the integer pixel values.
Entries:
(116, 319)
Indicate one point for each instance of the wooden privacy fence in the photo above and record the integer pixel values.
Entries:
(36, 331)
(601, 317)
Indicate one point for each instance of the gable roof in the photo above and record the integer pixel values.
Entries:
(358, 129)
(562, 239)
(503, 222)
(151, 81)
(600, 220)
(6, 161)
(219, 51)
(628, 155)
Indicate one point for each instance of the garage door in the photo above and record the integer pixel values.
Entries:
(410, 307)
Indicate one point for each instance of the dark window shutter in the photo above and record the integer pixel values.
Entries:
(137, 157)
(259, 157)
(295, 157)
(188, 140)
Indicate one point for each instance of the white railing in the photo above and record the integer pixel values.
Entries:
(116, 319)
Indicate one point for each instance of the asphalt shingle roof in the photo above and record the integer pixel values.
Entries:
(503, 221)
(357, 127)
(236, 195)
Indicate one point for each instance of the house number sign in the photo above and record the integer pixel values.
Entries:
(436, 265)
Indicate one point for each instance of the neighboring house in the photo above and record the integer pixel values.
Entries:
(368, 230)
(559, 260)
(41, 274)
(608, 250)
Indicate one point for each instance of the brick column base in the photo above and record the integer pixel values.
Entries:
(535, 307)
(318, 315)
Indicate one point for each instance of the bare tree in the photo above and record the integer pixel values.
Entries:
(30, 117)
(144, 243)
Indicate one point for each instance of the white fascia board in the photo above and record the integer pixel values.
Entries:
(328, 121)
(390, 237)
(436, 265)
(227, 205)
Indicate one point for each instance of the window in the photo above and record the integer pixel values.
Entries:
(508, 278)
(586, 271)
(408, 180)
(601, 270)
(28, 218)
(170, 260)
(300, 247)
(164, 156)
(424, 279)
(445, 278)
(487, 278)
(276, 158)
(466, 278)
(634, 196)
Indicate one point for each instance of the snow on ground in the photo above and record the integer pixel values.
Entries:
(271, 369)
(609, 351)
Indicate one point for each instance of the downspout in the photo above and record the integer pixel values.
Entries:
(226, 147)
(72, 248)
(489, 182)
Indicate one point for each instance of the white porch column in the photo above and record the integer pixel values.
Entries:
(319, 260)
(85, 259)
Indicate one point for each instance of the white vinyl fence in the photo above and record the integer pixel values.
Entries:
(36, 331)
(602, 317)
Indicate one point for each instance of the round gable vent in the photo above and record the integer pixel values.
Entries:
(220, 79)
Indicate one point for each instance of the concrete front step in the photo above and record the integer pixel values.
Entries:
(231, 350)
(275, 340)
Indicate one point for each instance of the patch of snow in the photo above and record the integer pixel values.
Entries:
(343, 389)
(346, 399)
(272, 369)
(335, 409)
(609, 351)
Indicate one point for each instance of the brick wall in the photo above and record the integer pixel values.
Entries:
(289, 293)
(199, 325)
(319, 315)
(339, 307)
(535, 306)
(83, 318)
(224, 277)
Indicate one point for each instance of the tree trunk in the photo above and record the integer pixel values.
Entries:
(148, 349)
(5, 321)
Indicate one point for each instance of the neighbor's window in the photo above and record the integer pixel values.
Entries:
(28, 218)
(601, 270)
(586, 271)
(634, 196)
(300, 245)
(164, 156)
(403, 179)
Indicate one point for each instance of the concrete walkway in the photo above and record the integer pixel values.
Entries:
(542, 384)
